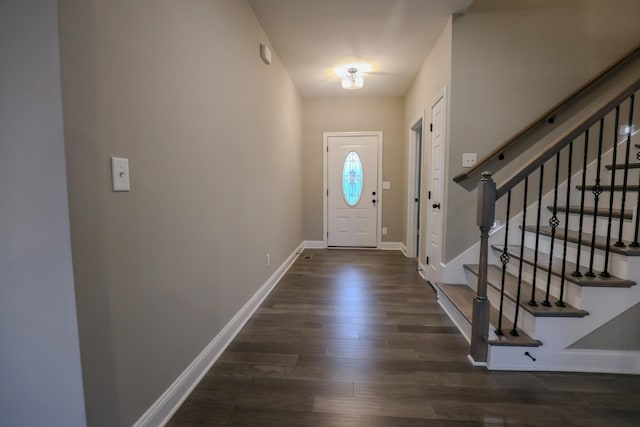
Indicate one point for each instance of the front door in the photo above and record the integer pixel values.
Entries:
(352, 190)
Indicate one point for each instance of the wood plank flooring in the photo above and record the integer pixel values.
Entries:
(357, 338)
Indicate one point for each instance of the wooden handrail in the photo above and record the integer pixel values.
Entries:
(547, 116)
(563, 140)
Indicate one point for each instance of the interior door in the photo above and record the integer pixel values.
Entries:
(353, 194)
(434, 208)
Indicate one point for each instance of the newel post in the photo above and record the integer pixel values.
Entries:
(485, 219)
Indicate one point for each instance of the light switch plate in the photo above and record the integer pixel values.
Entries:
(469, 159)
(386, 185)
(120, 174)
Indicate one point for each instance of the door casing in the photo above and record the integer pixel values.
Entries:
(415, 174)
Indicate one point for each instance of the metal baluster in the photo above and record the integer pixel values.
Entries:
(560, 302)
(597, 191)
(584, 182)
(635, 242)
(532, 301)
(504, 258)
(514, 331)
(620, 243)
(553, 222)
(605, 271)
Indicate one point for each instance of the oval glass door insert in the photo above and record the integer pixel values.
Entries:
(352, 178)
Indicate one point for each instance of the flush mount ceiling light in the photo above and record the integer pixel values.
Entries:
(351, 73)
(352, 80)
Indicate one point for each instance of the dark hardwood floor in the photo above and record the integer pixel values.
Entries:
(357, 338)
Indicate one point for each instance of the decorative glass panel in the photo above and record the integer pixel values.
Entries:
(352, 178)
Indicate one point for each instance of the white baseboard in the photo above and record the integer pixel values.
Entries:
(161, 411)
(603, 361)
(393, 246)
(421, 270)
(404, 250)
(313, 244)
(456, 317)
(474, 363)
(385, 246)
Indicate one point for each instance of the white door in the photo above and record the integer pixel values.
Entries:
(353, 194)
(436, 174)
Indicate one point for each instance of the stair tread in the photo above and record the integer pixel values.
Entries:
(462, 297)
(589, 210)
(608, 187)
(556, 269)
(494, 279)
(572, 236)
(621, 166)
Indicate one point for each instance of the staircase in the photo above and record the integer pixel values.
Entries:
(563, 255)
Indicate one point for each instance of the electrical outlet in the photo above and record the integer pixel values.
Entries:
(384, 231)
(268, 260)
(469, 159)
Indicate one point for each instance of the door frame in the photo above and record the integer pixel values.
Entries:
(441, 94)
(325, 184)
(413, 176)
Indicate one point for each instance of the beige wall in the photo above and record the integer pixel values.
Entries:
(40, 372)
(433, 77)
(213, 139)
(620, 333)
(350, 114)
(509, 66)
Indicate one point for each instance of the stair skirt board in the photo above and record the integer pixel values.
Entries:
(454, 272)
(455, 315)
(570, 360)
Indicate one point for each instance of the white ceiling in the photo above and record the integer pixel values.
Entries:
(312, 37)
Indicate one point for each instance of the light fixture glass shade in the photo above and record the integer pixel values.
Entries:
(352, 82)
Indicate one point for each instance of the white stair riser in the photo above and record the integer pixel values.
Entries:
(617, 262)
(602, 226)
(572, 292)
(526, 321)
(454, 314)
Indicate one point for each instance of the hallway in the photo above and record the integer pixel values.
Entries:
(357, 338)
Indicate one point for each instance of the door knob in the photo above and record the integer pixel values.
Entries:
(436, 206)
(373, 201)
(373, 193)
